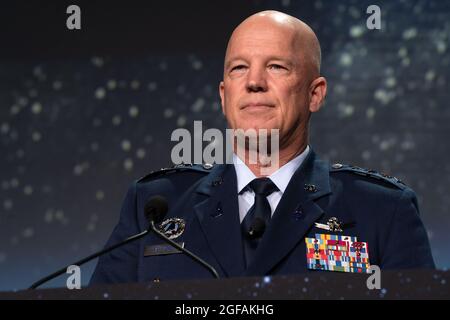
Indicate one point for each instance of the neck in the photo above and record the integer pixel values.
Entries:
(285, 155)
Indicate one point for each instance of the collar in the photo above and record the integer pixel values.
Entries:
(280, 178)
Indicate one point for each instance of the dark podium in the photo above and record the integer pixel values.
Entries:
(406, 284)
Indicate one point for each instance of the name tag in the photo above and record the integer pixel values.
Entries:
(161, 249)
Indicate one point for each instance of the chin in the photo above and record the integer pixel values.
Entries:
(256, 126)
(256, 123)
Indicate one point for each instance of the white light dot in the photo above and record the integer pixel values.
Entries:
(134, 111)
(407, 145)
(140, 153)
(46, 189)
(57, 85)
(48, 217)
(14, 182)
(409, 33)
(111, 84)
(128, 164)
(135, 84)
(346, 110)
(8, 204)
(441, 46)
(406, 62)
(370, 113)
(198, 105)
(28, 190)
(94, 146)
(22, 101)
(152, 86)
(90, 227)
(391, 82)
(97, 122)
(430, 75)
(4, 128)
(402, 52)
(366, 155)
(354, 12)
(356, 31)
(384, 145)
(168, 113)
(100, 93)
(346, 59)
(181, 89)
(339, 89)
(100, 195)
(59, 215)
(78, 170)
(97, 61)
(20, 153)
(126, 145)
(36, 136)
(384, 96)
(116, 120)
(181, 121)
(37, 70)
(15, 109)
(197, 64)
(28, 232)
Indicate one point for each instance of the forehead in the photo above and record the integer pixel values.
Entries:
(263, 39)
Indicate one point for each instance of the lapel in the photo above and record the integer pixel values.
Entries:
(294, 215)
(218, 215)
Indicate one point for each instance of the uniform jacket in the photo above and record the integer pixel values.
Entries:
(377, 209)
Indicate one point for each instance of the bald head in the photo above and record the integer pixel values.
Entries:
(298, 36)
(272, 78)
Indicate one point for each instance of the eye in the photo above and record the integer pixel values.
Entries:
(276, 67)
(238, 68)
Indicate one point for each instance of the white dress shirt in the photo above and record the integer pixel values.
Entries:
(280, 178)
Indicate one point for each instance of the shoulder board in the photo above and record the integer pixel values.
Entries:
(206, 168)
(338, 167)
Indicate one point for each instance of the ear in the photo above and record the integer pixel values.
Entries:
(317, 93)
(222, 95)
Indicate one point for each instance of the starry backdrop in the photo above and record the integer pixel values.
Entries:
(84, 113)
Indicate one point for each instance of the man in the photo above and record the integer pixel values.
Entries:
(290, 221)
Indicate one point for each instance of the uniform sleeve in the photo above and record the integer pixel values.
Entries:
(407, 243)
(120, 265)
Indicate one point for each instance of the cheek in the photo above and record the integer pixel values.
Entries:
(293, 105)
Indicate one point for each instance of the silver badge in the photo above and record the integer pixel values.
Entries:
(333, 225)
(172, 227)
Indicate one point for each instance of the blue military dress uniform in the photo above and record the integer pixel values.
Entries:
(377, 209)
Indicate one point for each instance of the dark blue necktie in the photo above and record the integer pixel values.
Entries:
(262, 187)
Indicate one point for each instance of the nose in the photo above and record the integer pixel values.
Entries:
(256, 80)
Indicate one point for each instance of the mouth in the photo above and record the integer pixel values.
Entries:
(257, 106)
